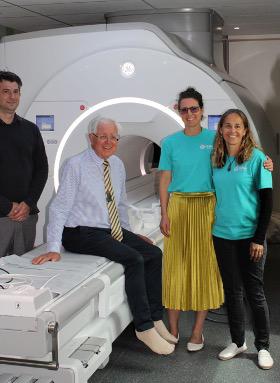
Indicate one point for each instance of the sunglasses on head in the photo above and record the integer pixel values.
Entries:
(192, 109)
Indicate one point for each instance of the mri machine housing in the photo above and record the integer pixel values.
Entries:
(69, 334)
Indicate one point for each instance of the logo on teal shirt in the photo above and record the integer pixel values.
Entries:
(240, 168)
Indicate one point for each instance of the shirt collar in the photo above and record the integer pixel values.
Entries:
(16, 118)
(96, 158)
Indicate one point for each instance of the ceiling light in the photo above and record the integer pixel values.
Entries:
(236, 28)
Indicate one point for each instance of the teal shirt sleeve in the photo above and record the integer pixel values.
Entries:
(262, 176)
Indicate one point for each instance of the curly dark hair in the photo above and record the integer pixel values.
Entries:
(191, 92)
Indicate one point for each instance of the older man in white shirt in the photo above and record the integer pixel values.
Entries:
(89, 216)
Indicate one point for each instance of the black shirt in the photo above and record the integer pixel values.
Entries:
(23, 165)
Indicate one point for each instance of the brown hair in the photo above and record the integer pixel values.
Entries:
(220, 152)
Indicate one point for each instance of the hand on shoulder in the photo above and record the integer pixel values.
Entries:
(268, 164)
(51, 256)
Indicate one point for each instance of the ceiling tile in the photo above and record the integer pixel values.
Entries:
(41, 2)
(248, 19)
(88, 7)
(14, 12)
(85, 18)
(239, 3)
(15, 22)
(182, 3)
(263, 10)
(208, 3)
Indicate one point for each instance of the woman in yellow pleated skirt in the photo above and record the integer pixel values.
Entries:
(191, 278)
(190, 270)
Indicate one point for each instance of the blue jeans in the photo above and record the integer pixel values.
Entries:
(240, 274)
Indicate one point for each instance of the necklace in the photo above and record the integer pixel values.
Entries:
(230, 163)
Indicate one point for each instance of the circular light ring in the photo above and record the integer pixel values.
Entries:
(101, 105)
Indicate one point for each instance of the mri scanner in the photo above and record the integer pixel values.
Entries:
(57, 324)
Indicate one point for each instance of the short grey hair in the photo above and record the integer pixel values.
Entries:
(93, 125)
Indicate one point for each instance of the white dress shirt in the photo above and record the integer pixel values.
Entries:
(81, 200)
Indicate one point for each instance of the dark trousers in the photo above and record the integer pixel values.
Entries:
(238, 272)
(142, 264)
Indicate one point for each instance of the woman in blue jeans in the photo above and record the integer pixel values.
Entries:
(243, 209)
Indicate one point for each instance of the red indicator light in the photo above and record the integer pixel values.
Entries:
(175, 106)
(82, 107)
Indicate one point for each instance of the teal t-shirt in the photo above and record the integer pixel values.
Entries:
(188, 157)
(237, 192)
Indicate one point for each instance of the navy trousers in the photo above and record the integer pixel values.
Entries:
(142, 264)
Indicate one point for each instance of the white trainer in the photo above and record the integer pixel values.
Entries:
(231, 351)
(265, 360)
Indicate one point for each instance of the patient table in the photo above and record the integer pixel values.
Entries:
(65, 323)
(58, 324)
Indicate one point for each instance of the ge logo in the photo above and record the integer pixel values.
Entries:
(127, 69)
(202, 146)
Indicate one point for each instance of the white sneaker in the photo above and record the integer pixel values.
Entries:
(265, 360)
(231, 351)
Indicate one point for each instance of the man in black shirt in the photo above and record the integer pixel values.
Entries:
(23, 171)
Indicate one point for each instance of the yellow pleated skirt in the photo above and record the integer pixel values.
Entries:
(191, 277)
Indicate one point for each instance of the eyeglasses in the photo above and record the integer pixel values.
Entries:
(102, 137)
(192, 109)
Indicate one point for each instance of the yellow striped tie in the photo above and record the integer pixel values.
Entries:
(116, 230)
